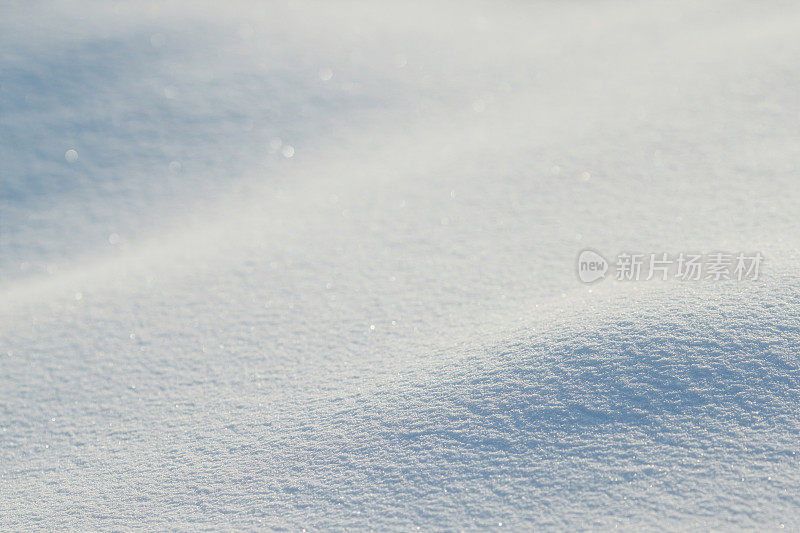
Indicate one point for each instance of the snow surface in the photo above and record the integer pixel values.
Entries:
(311, 265)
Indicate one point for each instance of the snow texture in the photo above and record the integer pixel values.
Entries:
(312, 265)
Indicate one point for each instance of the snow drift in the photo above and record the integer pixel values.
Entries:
(312, 266)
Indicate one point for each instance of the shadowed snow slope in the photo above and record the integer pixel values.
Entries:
(313, 265)
(654, 410)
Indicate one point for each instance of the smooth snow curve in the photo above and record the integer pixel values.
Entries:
(302, 265)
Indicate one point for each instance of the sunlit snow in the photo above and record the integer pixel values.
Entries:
(312, 265)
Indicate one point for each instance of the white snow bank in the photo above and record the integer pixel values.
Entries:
(385, 329)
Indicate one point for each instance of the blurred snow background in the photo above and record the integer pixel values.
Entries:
(313, 265)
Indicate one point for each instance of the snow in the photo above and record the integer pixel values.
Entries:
(303, 265)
